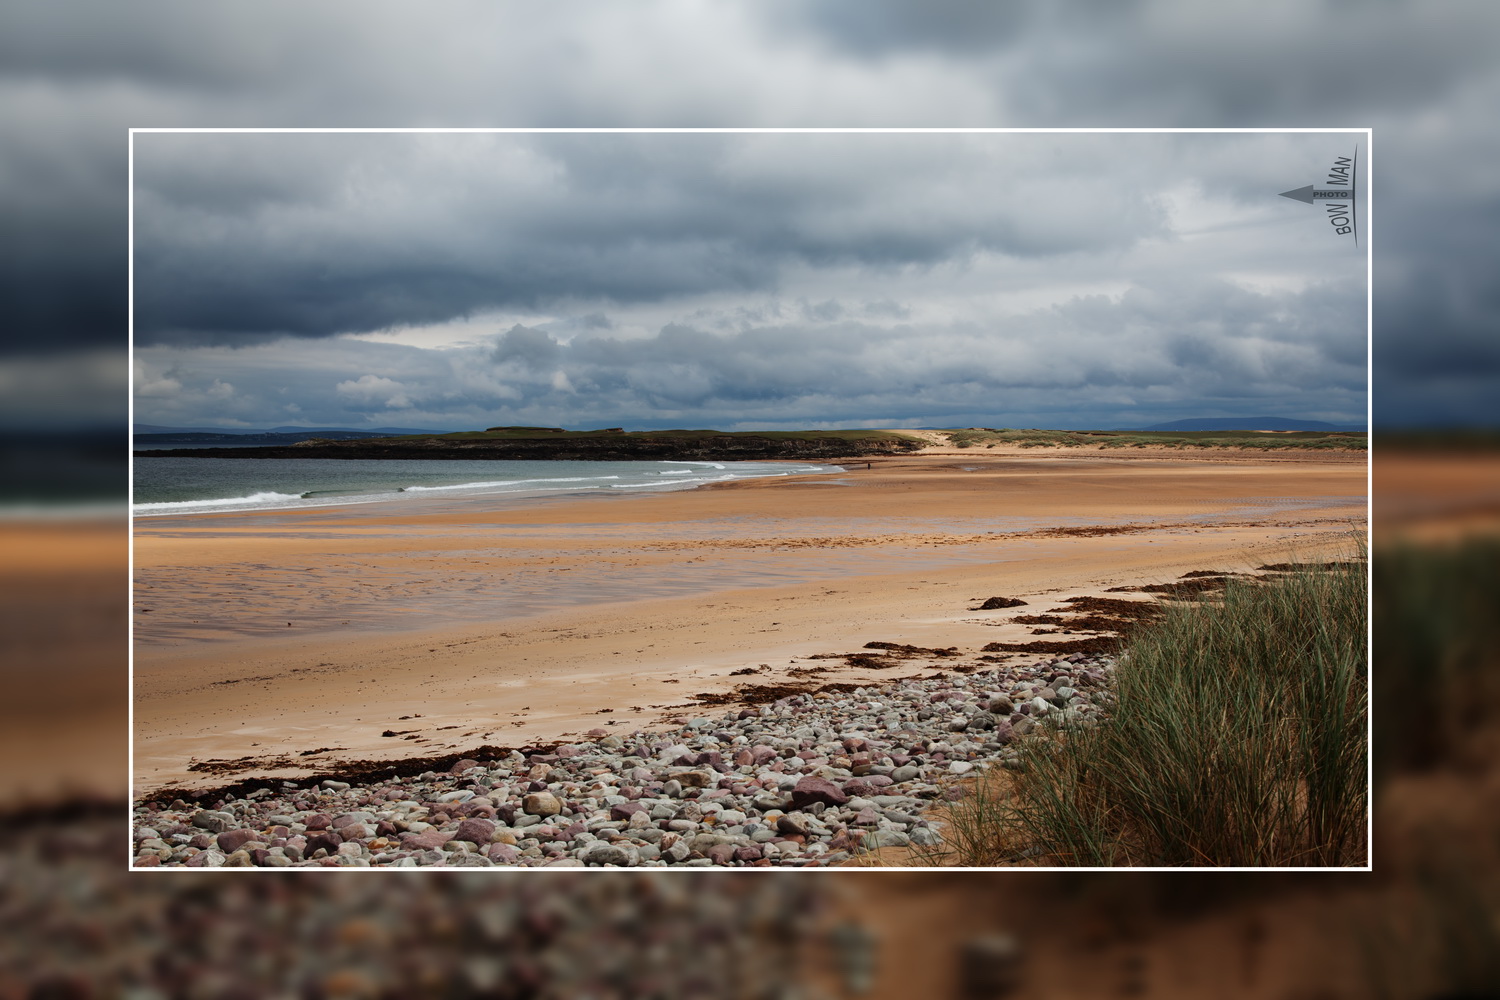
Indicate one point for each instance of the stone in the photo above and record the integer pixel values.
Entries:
(600, 853)
(503, 854)
(905, 773)
(721, 854)
(876, 839)
(924, 836)
(475, 831)
(812, 789)
(232, 840)
(626, 810)
(792, 825)
(427, 840)
(327, 841)
(541, 804)
(471, 861)
(213, 820)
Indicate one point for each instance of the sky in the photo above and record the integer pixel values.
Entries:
(741, 281)
(75, 76)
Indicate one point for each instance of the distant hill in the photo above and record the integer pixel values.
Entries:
(1245, 424)
(554, 444)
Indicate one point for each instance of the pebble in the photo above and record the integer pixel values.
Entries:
(804, 780)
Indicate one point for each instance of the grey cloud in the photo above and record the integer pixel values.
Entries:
(528, 346)
(950, 27)
(74, 76)
(315, 236)
(1183, 347)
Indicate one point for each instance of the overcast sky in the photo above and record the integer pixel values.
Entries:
(74, 75)
(741, 281)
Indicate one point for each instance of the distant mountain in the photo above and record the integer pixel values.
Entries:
(1245, 424)
(356, 430)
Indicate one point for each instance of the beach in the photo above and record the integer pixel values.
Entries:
(288, 643)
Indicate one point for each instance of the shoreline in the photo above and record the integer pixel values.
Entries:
(638, 604)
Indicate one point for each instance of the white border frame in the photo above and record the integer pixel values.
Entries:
(1369, 216)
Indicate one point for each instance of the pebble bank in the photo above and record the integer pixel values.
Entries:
(808, 780)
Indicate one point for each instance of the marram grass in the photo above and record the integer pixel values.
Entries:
(1236, 737)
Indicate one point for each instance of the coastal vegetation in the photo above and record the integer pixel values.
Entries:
(988, 437)
(608, 444)
(617, 444)
(1236, 736)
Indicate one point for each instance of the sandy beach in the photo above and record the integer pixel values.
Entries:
(285, 643)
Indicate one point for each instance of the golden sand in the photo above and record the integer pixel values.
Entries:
(260, 637)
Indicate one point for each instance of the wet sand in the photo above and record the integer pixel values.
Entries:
(283, 643)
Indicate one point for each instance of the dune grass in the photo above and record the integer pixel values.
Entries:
(1236, 737)
(983, 437)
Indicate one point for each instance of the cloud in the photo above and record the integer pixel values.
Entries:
(74, 77)
(364, 233)
(374, 391)
(1161, 350)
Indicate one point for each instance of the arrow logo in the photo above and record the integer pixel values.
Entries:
(1309, 193)
(1342, 177)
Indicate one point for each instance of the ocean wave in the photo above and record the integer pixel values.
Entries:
(691, 474)
(677, 483)
(504, 482)
(254, 499)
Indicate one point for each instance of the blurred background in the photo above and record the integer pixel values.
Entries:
(74, 75)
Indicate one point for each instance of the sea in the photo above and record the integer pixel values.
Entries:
(179, 485)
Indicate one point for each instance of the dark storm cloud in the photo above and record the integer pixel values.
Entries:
(253, 236)
(73, 76)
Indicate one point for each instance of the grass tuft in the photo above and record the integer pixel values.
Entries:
(1236, 736)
